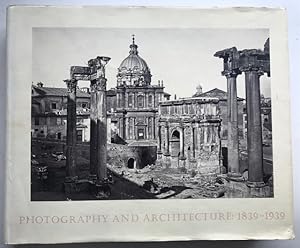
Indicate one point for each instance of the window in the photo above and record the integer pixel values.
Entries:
(150, 101)
(140, 100)
(53, 105)
(129, 101)
(79, 135)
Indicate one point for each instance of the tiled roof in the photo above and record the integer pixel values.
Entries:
(51, 91)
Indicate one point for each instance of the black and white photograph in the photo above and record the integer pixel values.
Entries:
(120, 114)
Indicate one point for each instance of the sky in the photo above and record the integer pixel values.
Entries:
(182, 58)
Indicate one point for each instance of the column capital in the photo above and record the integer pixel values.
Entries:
(71, 85)
(98, 85)
(231, 73)
(252, 68)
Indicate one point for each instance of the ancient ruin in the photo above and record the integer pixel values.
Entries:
(189, 135)
(253, 63)
(95, 73)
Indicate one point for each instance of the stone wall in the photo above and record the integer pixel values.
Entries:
(119, 155)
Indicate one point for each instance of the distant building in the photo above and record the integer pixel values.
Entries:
(189, 135)
(222, 105)
(266, 116)
(133, 104)
(49, 113)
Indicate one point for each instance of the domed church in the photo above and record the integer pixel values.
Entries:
(136, 111)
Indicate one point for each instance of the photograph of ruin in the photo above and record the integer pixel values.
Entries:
(120, 114)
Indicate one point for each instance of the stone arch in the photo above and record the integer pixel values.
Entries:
(175, 143)
(131, 163)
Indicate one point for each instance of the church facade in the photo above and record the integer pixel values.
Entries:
(135, 117)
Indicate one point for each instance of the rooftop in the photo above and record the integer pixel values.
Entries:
(53, 91)
(220, 94)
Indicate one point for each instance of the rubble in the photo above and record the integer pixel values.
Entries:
(171, 183)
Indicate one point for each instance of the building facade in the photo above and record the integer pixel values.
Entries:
(189, 135)
(135, 105)
(49, 113)
(222, 105)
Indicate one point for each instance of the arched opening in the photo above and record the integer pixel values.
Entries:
(130, 163)
(175, 148)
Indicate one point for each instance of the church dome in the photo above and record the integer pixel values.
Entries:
(133, 70)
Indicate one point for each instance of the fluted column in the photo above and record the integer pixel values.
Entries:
(254, 128)
(71, 132)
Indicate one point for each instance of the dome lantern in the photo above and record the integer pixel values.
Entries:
(133, 70)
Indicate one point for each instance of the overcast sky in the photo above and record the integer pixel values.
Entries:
(183, 58)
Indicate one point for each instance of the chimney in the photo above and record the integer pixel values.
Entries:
(175, 97)
(162, 83)
(158, 82)
(40, 84)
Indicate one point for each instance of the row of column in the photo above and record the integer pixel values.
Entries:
(195, 138)
(123, 99)
(254, 128)
(128, 129)
(98, 131)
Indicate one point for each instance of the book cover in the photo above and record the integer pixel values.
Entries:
(147, 124)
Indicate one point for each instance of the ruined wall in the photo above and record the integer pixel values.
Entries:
(119, 155)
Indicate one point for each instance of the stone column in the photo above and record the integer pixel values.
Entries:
(118, 100)
(153, 127)
(71, 133)
(167, 141)
(134, 129)
(182, 143)
(193, 142)
(254, 129)
(147, 128)
(232, 115)
(159, 140)
(205, 135)
(166, 154)
(127, 128)
(101, 117)
(93, 133)
(126, 100)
